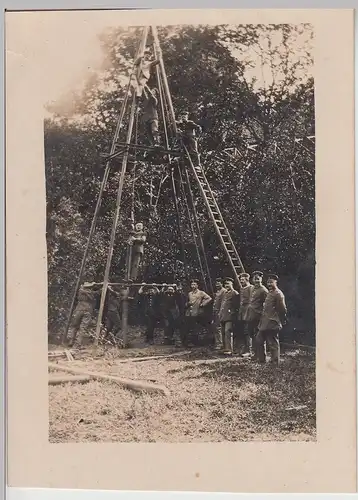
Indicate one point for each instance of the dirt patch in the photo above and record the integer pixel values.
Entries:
(212, 399)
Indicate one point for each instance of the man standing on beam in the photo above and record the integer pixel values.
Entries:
(189, 132)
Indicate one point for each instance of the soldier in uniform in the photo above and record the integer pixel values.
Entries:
(150, 302)
(194, 312)
(227, 314)
(150, 116)
(254, 311)
(83, 313)
(245, 296)
(136, 242)
(189, 131)
(170, 307)
(181, 300)
(273, 317)
(113, 318)
(220, 290)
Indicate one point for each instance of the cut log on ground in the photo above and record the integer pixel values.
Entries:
(79, 379)
(134, 385)
(150, 358)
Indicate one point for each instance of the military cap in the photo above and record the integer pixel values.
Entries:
(257, 273)
(218, 280)
(244, 275)
(229, 279)
(272, 277)
(194, 280)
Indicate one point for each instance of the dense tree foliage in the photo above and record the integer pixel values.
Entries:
(251, 89)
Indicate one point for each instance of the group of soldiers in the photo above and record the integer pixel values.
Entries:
(244, 322)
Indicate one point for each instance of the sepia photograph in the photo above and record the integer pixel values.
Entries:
(180, 198)
(179, 206)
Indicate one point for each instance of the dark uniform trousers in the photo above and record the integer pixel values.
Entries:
(193, 325)
(252, 329)
(152, 131)
(151, 321)
(217, 333)
(136, 259)
(170, 325)
(192, 146)
(113, 322)
(228, 335)
(271, 337)
(80, 324)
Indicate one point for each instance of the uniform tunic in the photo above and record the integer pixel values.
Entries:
(227, 315)
(229, 306)
(217, 331)
(86, 299)
(150, 303)
(82, 315)
(274, 311)
(258, 296)
(170, 306)
(217, 301)
(139, 238)
(150, 111)
(189, 130)
(113, 318)
(245, 296)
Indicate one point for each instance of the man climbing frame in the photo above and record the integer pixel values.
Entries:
(136, 249)
(143, 69)
(189, 131)
(150, 115)
(113, 313)
(83, 313)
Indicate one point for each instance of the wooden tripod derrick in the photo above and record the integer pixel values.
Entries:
(172, 154)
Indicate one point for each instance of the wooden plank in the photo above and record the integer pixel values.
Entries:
(69, 355)
(134, 385)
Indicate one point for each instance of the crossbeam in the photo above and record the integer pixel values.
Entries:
(132, 146)
(129, 284)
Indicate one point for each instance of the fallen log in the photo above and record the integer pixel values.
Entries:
(149, 358)
(134, 385)
(79, 379)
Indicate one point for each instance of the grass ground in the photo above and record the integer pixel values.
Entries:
(212, 399)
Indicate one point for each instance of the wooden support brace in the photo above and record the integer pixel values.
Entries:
(134, 385)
